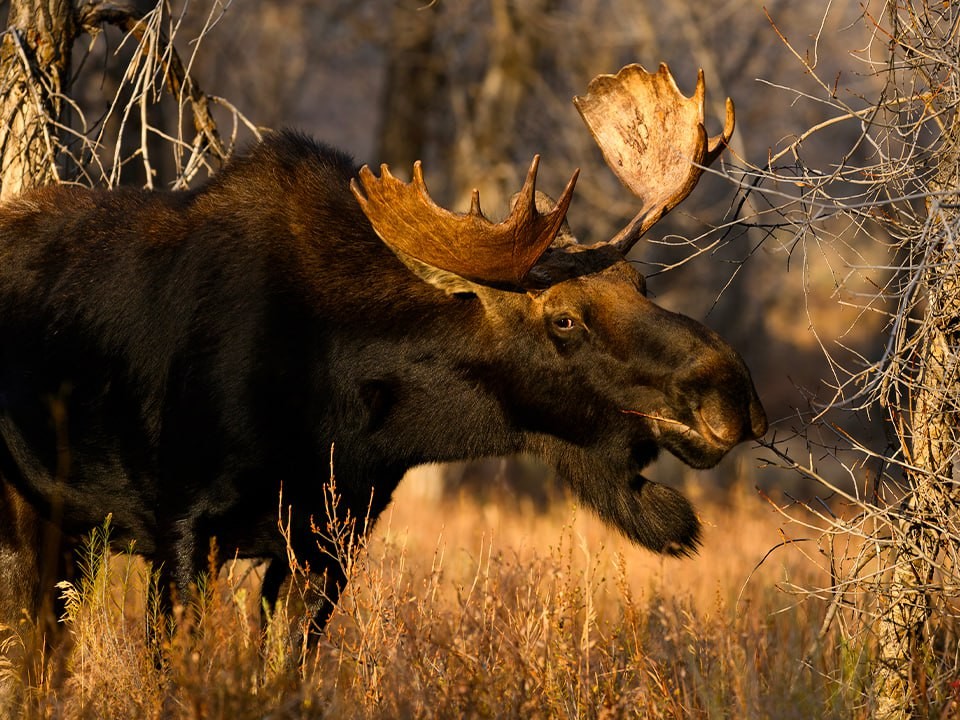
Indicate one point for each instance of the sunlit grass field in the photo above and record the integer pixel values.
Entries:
(458, 608)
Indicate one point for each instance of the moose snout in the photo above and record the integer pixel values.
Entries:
(730, 419)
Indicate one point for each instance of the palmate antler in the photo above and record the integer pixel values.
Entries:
(651, 135)
(469, 245)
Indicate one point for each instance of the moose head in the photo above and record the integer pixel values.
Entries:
(607, 376)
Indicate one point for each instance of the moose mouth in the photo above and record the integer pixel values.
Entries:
(699, 447)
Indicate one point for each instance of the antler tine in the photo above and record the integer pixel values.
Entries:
(469, 245)
(653, 138)
(718, 143)
(475, 203)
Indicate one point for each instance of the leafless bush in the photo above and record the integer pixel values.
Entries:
(886, 214)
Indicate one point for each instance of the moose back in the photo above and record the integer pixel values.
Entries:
(175, 359)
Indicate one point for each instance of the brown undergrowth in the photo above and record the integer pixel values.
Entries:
(460, 609)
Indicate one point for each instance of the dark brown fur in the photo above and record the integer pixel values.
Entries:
(175, 358)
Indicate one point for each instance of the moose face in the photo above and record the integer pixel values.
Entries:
(676, 378)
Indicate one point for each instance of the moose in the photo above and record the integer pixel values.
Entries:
(181, 360)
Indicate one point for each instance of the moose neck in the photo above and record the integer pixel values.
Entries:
(407, 355)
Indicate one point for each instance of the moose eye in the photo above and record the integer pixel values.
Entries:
(567, 330)
(564, 323)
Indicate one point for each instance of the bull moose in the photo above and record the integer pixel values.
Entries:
(178, 358)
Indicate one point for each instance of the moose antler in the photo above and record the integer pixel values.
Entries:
(408, 221)
(652, 137)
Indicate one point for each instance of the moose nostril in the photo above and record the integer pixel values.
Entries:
(758, 419)
(722, 422)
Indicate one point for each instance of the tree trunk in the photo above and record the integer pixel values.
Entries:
(34, 66)
(484, 147)
(929, 526)
(412, 83)
(902, 634)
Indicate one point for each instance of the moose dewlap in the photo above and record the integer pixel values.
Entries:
(175, 358)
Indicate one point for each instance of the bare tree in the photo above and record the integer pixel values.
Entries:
(413, 80)
(34, 66)
(925, 90)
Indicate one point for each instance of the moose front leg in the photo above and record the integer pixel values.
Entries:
(19, 559)
(178, 563)
(309, 598)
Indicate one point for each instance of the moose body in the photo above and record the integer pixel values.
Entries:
(176, 358)
(179, 359)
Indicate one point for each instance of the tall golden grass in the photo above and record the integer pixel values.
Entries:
(461, 609)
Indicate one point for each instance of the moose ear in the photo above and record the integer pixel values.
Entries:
(449, 282)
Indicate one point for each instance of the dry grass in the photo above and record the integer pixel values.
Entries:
(463, 610)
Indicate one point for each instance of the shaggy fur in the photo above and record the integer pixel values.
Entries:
(176, 358)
